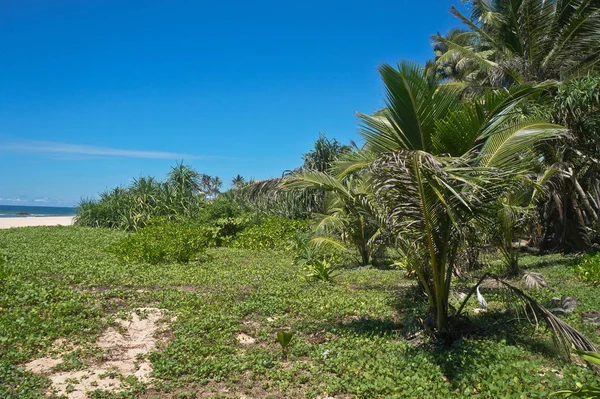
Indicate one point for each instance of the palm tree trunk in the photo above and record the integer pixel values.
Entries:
(441, 310)
(584, 199)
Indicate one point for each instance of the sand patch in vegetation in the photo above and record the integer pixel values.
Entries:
(245, 339)
(124, 347)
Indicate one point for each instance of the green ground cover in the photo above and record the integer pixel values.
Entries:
(356, 337)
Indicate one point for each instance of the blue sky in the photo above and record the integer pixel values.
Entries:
(96, 92)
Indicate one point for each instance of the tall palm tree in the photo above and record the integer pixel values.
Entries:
(238, 181)
(506, 42)
(439, 161)
(517, 41)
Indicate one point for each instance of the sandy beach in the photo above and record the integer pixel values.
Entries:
(7, 223)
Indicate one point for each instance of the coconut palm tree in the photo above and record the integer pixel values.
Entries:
(517, 41)
(439, 162)
(238, 181)
(349, 210)
(506, 42)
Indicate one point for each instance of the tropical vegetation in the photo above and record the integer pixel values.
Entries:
(478, 177)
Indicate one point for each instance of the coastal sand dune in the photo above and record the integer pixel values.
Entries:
(7, 223)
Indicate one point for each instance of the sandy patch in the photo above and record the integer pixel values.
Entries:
(7, 223)
(245, 339)
(124, 348)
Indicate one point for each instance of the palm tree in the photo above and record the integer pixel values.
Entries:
(349, 210)
(454, 65)
(210, 186)
(440, 161)
(517, 41)
(238, 181)
(216, 184)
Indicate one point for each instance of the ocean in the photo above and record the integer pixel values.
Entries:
(13, 211)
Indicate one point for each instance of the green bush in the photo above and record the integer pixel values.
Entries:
(272, 234)
(164, 242)
(588, 268)
(183, 195)
(228, 228)
(224, 206)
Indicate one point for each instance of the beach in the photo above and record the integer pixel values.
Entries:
(7, 223)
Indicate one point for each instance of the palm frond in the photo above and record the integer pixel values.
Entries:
(564, 336)
(534, 281)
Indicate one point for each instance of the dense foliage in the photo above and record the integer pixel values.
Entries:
(182, 195)
(272, 233)
(589, 268)
(164, 242)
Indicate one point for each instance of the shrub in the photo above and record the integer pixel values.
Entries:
(320, 270)
(182, 196)
(272, 234)
(222, 207)
(164, 242)
(588, 268)
(227, 229)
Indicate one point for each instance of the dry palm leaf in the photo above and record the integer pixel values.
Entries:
(564, 336)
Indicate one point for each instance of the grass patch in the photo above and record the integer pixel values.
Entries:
(61, 283)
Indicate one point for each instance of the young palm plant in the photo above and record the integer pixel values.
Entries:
(348, 211)
(440, 162)
(508, 216)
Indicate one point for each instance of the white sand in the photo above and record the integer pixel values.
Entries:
(7, 223)
(124, 352)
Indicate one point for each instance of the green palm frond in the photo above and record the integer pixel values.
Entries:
(352, 162)
(508, 146)
(414, 101)
(521, 40)
(328, 241)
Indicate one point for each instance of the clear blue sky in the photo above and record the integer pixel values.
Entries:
(96, 92)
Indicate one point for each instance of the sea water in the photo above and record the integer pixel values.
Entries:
(14, 211)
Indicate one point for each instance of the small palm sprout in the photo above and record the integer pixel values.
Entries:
(285, 338)
(481, 299)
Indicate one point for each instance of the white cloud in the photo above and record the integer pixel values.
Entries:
(49, 147)
(16, 200)
(41, 200)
